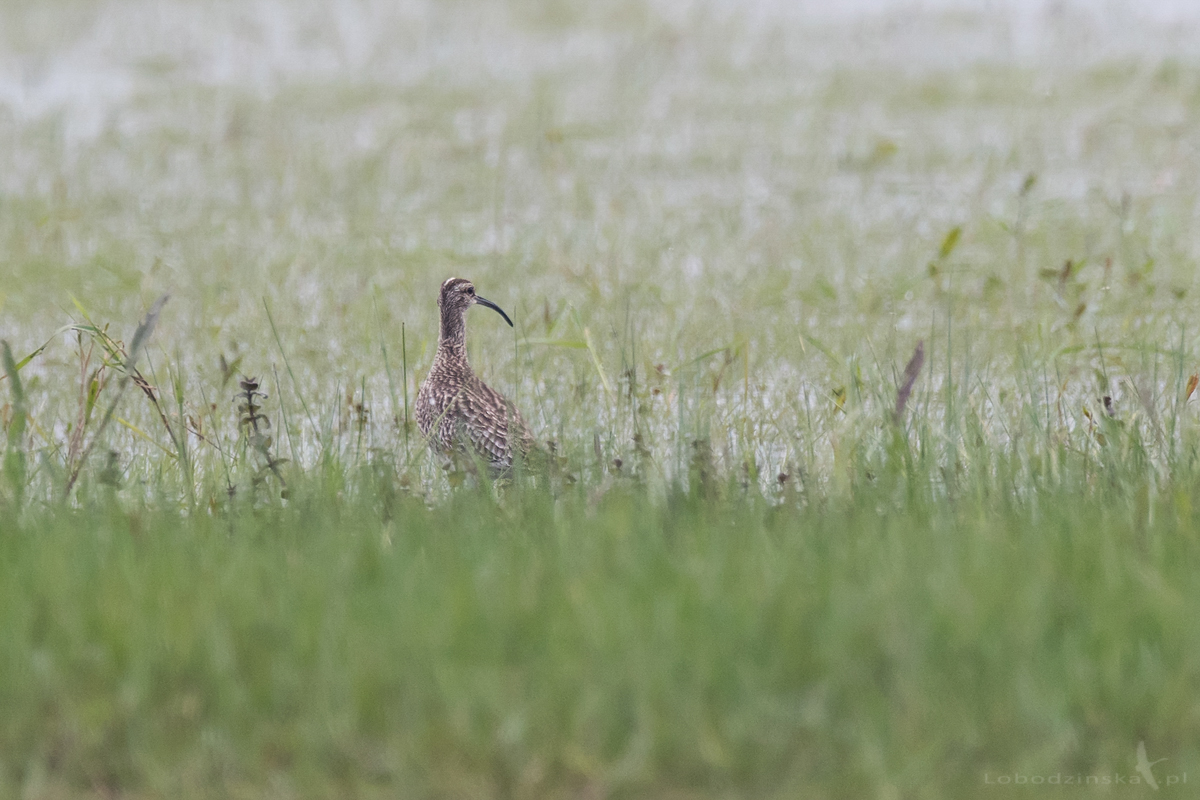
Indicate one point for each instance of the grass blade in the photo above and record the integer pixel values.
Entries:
(288, 365)
(140, 337)
(14, 451)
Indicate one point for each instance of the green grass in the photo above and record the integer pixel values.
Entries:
(721, 238)
(734, 648)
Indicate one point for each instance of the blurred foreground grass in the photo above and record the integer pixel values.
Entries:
(722, 234)
(540, 648)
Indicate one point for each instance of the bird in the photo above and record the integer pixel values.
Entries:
(1144, 766)
(456, 411)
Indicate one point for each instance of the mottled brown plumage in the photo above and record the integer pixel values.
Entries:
(456, 411)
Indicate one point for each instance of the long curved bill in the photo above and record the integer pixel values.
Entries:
(493, 307)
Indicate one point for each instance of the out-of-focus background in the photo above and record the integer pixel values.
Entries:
(721, 170)
(713, 172)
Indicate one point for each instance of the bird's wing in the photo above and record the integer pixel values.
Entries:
(494, 426)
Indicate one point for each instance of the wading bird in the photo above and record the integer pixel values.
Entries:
(456, 411)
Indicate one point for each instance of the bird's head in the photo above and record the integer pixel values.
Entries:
(458, 294)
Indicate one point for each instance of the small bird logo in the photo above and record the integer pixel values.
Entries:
(1144, 765)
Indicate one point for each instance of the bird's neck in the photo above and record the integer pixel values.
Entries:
(452, 338)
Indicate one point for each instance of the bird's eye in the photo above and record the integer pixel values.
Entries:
(470, 290)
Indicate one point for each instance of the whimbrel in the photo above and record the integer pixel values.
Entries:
(456, 411)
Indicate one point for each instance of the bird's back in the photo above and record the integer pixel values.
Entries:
(492, 425)
(457, 411)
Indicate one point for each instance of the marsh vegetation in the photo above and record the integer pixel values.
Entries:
(778, 554)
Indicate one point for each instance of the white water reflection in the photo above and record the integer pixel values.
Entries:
(90, 62)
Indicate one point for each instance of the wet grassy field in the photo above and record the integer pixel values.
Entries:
(765, 564)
